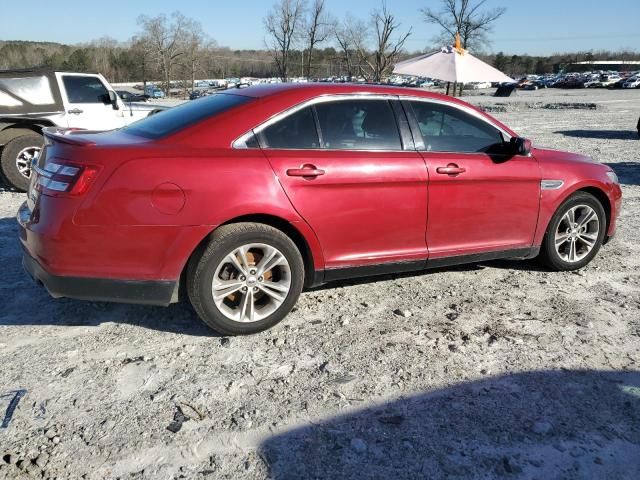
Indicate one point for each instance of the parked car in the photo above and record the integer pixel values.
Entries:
(195, 94)
(242, 199)
(153, 92)
(477, 85)
(32, 99)
(534, 85)
(632, 82)
(607, 80)
(618, 84)
(129, 97)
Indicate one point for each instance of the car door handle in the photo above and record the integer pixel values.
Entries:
(305, 171)
(75, 111)
(451, 169)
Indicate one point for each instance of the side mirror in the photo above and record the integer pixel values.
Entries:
(520, 146)
(113, 100)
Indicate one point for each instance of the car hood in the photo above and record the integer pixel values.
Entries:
(549, 155)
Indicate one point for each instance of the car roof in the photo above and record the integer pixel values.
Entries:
(316, 89)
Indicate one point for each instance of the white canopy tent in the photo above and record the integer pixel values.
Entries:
(451, 64)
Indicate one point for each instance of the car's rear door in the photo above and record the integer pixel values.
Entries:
(354, 178)
(481, 199)
(86, 101)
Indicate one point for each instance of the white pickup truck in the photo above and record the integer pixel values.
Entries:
(32, 99)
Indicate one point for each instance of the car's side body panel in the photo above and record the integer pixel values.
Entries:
(367, 207)
(491, 206)
(577, 172)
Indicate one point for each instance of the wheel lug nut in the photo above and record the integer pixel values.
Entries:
(244, 289)
(260, 279)
(243, 278)
(252, 272)
(255, 289)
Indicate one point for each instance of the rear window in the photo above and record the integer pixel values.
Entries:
(174, 119)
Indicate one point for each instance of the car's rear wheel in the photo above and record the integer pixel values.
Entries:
(575, 233)
(16, 159)
(246, 279)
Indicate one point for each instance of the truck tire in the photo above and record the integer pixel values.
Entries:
(15, 162)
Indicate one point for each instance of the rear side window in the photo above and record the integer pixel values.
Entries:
(358, 125)
(85, 89)
(296, 131)
(448, 129)
(174, 119)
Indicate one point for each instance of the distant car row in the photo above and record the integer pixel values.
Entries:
(611, 80)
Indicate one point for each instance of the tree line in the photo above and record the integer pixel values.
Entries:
(302, 38)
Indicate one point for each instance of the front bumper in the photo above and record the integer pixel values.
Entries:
(146, 292)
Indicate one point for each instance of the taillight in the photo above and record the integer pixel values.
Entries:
(59, 177)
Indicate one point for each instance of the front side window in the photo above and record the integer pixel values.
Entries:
(85, 89)
(358, 125)
(448, 129)
(296, 131)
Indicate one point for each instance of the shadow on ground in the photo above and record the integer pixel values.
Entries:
(628, 172)
(548, 424)
(605, 134)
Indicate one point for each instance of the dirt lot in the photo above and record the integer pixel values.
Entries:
(498, 369)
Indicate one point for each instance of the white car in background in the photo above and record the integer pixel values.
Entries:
(632, 82)
(477, 85)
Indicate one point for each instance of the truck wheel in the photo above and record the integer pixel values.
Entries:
(16, 158)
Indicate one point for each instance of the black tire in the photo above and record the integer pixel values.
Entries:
(203, 264)
(10, 173)
(548, 254)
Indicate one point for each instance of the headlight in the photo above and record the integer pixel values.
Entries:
(613, 177)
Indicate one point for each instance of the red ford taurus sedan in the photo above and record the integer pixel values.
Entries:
(244, 198)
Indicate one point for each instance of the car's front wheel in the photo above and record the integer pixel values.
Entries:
(246, 279)
(575, 233)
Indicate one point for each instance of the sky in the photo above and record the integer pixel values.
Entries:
(538, 27)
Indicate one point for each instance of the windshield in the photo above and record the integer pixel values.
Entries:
(175, 119)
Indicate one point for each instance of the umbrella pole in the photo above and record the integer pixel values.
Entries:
(455, 86)
(448, 88)
(461, 85)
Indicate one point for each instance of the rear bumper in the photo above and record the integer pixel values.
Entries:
(146, 292)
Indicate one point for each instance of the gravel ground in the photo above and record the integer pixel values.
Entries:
(483, 371)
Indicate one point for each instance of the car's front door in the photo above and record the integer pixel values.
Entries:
(87, 103)
(480, 198)
(348, 174)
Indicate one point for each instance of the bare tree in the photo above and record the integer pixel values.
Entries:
(141, 54)
(466, 18)
(166, 41)
(283, 24)
(342, 32)
(318, 30)
(380, 61)
(194, 41)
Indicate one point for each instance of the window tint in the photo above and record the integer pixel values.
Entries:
(358, 125)
(176, 118)
(252, 142)
(448, 129)
(297, 130)
(85, 89)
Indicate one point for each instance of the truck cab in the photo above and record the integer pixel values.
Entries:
(32, 99)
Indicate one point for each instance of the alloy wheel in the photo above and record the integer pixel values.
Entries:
(577, 233)
(251, 282)
(25, 158)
